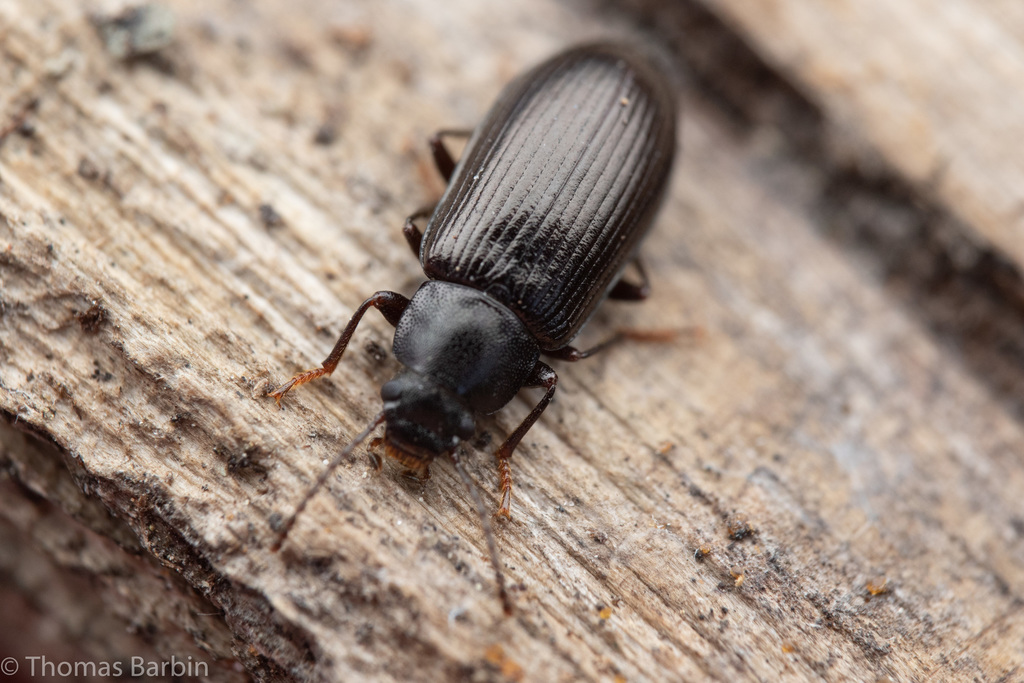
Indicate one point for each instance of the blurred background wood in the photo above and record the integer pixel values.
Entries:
(934, 89)
(182, 230)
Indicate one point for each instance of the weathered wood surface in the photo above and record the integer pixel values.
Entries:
(853, 400)
(936, 88)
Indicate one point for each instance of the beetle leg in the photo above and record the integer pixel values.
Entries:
(375, 444)
(445, 166)
(572, 354)
(390, 304)
(412, 232)
(505, 478)
(631, 291)
(442, 157)
(542, 376)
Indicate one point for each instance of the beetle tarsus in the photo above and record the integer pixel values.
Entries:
(542, 376)
(505, 476)
(301, 378)
(390, 304)
(662, 336)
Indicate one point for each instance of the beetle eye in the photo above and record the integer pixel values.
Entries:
(391, 391)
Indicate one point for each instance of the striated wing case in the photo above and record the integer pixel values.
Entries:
(556, 188)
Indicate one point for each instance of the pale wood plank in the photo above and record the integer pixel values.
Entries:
(936, 88)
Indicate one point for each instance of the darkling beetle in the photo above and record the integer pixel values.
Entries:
(547, 205)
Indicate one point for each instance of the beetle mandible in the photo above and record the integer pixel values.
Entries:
(545, 208)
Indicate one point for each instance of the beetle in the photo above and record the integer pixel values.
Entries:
(544, 210)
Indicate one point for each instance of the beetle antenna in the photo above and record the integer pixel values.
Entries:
(282, 532)
(485, 522)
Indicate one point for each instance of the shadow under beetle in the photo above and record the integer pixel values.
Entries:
(547, 205)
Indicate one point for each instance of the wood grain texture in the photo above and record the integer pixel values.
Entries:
(937, 90)
(174, 239)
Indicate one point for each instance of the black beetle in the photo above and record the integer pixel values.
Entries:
(547, 205)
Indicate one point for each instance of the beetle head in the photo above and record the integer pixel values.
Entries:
(424, 420)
